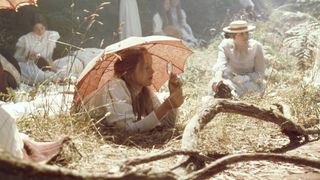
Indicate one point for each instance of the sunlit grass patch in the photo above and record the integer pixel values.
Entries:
(99, 151)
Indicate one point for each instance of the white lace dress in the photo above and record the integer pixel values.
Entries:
(183, 26)
(116, 97)
(10, 140)
(44, 46)
(129, 19)
(242, 71)
(34, 44)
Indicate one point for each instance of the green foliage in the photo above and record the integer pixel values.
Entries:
(206, 14)
(9, 95)
(5, 37)
(312, 7)
(229, 133)
(65, 16)
(304, 39)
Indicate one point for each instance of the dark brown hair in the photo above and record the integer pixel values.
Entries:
(124, 69)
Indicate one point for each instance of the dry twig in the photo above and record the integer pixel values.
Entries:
(220, 164)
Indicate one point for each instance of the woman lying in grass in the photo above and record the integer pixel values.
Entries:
(22, 146)
(128, 99)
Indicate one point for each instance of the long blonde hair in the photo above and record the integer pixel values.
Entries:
(124, 69)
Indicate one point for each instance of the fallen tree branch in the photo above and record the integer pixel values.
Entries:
(220, 164)
(281, 115)
(196, 124)
(13, 168)
(150, 158)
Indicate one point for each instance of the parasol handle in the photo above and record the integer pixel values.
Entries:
(169, 68)
(67, 44)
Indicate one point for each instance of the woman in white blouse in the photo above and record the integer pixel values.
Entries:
(240, 64)
(131, 105)
(39, 43)
(171, 20)
(37, 48)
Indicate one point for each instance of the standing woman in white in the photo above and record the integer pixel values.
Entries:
(129, 20)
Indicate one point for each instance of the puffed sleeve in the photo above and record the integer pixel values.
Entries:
(52, 37)
(220, 67)
(21, 52)
(259, 63)
(121, 111)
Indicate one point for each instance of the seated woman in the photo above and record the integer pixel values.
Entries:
(240, 65)
(132, 105)
(34, 46)
(171, 20)
(34, 54)
(21, 146)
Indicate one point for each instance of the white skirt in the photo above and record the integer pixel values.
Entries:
(10, 140)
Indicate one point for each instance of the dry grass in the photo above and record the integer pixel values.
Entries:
(92, 151)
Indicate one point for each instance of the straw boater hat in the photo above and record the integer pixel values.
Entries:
(238, 26)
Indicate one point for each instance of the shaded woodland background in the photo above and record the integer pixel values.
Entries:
(290, 35)
(68, 17)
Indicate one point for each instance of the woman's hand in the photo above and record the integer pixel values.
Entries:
(174, 83)
(34, 56)
(240, 79)
(52, 66)
(215, 85)
(175, 99)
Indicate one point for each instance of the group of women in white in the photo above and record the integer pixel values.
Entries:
(170, 20)
(131, 104)
(34, 52)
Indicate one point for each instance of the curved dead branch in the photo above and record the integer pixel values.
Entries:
(155, 157)
(13, 168)
(196, 124)
(220, 164)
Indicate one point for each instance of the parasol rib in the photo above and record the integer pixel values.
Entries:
(167, 61)
(169, 45)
